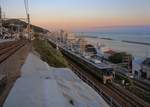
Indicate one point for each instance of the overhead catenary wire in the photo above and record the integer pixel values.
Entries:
(26, 6)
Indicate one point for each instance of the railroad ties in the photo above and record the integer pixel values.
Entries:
(7, 49)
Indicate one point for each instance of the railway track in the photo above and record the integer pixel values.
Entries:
(142, 85)
(9, 48)
(137, 83)
(114, 96)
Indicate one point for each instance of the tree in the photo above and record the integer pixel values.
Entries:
(117, 57)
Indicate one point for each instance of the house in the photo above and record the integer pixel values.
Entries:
(81, 43)
(146, 69)
(141, 68)
(137, 68)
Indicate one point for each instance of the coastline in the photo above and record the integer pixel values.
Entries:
(139, 50)
(125, 41)
(134, 42)
(106, 38)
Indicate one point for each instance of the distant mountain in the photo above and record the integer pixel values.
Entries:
(16, 22)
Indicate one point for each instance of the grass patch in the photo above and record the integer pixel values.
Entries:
(49, 54)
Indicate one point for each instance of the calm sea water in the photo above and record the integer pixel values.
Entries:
(134, 36)
(137, 50)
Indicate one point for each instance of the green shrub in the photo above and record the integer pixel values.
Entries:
(117, 57)
(49, 54)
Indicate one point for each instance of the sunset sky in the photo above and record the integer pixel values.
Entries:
(81, 14)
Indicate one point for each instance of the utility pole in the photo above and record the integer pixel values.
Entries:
(28, 18)
(12, 29)
(1, 27)
(29, 27)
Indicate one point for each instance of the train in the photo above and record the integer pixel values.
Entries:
(101, 71)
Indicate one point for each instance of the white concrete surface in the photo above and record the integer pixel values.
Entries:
(44, 86)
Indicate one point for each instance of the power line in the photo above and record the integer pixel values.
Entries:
(26, 6)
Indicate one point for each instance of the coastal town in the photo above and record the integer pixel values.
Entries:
(137, 68)
(61, 68)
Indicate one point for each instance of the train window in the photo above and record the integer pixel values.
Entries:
(108, 72)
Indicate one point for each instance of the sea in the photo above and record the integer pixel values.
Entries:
(114, 40)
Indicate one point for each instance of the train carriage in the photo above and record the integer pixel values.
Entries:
(101, 71)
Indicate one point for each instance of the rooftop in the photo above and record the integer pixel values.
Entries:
(110, 51)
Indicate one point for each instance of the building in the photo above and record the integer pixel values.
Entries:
(136, 68)
(146, 69)
(66, 38)
(127, 61)
(90, 50)
(108, 52)
(62, 36)
(141, 68)
(71, 37)
(81, 43)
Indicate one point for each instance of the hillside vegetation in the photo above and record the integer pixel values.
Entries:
(49, 54)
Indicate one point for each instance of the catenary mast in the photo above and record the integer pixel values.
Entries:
(28, 18)
(1, 20)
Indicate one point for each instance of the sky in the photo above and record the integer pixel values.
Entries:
(81, 14)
